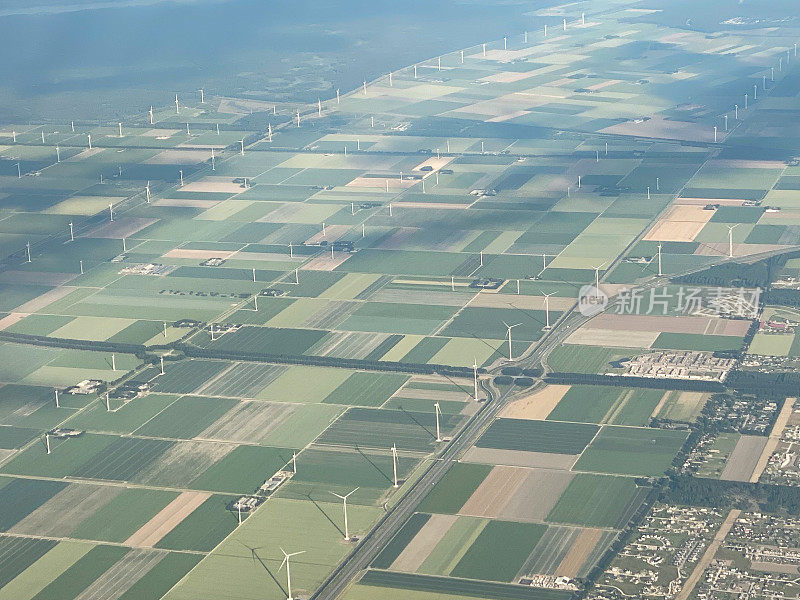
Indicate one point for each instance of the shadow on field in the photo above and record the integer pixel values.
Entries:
(256, 557)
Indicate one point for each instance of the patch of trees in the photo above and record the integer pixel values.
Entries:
(640, 382)
(782, 297)
(720, 494)
(765, 384)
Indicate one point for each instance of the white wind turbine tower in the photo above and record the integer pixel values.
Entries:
(344, 504)
(177, 106)
(730, 239)
(597, 276)
(475, 373)
(547, 310)
(286, 558)
(437, 411)
(660, 273)
(394, 465)
(509, 328)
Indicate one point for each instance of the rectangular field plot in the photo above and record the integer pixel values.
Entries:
(126, 419)
(499, 551)
(83, 573)
(265, 340)
(278, 523)
(321, 471)
(243, 380)
(186, 376)
(204, 528)
(17, 554)
(119, 518)
(537, 436)
(487, 323)
(455, 488)
(631, 451)
(598, 501)
(400, 541)
(186, 417)
(67, 456)
(381, 584)
(159, 579)
(243, 470)
(607, 404)
(366, 389)
(398, 318)
(567, 551)
(304, 384)
(20, 497)
(123, 459)
(697, 341)
(29, 406)
(380, 428)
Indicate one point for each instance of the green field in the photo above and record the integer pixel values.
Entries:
(631, 451)
(596, 501)
(207, 526)
(380, 428)
(447, 587)
(499, 551)
(137, 505)
(243, 470)
(537, 436)
(394, 229)
(366, 389)
(186, 417)
(585, 404)
(455, 488)
(321, 471)
(401, 539)
(697, 341)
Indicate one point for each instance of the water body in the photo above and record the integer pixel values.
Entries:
(101, 63)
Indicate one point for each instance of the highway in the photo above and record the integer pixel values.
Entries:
(379, 536)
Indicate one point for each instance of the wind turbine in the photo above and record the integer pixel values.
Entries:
(509, 328)
(437, 411)
(344, 504)
(475, 373)
(597, 276)
(394, 465)
(286, 558)
(177, 106)
(547, 310)
(660, 273)
(730, 239)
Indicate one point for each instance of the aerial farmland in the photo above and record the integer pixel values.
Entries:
(482, 327)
